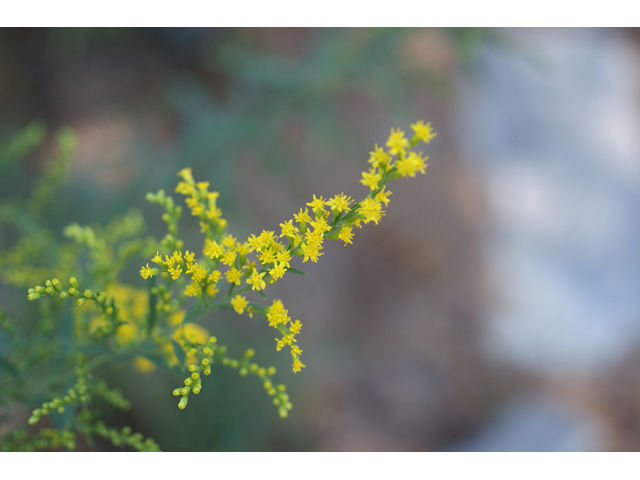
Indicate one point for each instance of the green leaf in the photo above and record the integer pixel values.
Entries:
(193, 313)
(179, 354)
(153, 315)
(296, 271)
(262, 295)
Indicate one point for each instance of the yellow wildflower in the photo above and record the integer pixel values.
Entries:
(212, 249)
(295, 327)
(302, 216)
(339, 203)
(145, 272)
(256, 281)
(397, 143)
(297, 366)
(229, 241)
(407, 167)
(284, 257)
(370, 179)
(371, 210)
(317, 204)
(228, 258)
(345, 234)
(233, 275)
(379, 158)
(288, 230)
(423, 131)
(277, 271)
(239, 303)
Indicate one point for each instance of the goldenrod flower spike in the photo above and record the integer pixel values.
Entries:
(264, 259)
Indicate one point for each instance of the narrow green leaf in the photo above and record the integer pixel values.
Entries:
(153, 315)
(179, 354)
(193, 313)
(296, 271)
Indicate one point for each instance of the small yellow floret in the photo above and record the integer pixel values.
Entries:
(256, 281)
(397, 143)
(423, 131)
(317, 203)
(370, 179)
(339, 203)
(233, 275)
(288, 229)
(297, 366)
(239, 303)
(212, 249)
(145, 272)
(345, 235)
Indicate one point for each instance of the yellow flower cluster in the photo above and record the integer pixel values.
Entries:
(278, 318)
(201, 202)
(301, 236)
(202, 280)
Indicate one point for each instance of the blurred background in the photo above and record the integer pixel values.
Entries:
(495, 307)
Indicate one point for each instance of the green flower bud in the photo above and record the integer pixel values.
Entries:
(73, 282)
(271, 392)
(253, 367)
(82, 301)
(271, 371)
(50, 290)
(249, 353)
(33, 420)
(74, 292)
(194, 368)
(276, 401)
(281, 388)
(188, 382)
(88, 294)
(195, 375)
(64, 295)
(177, 392)
(262, 371)
(185, 391)
(196, 390)
(207, 370)
(56, 284)
(48, 283)
(267, 385)
(33, 296)
(283, 411)
(243, 371)
(183, 402)
(39, 289)
(205, 362)
(233, 363)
